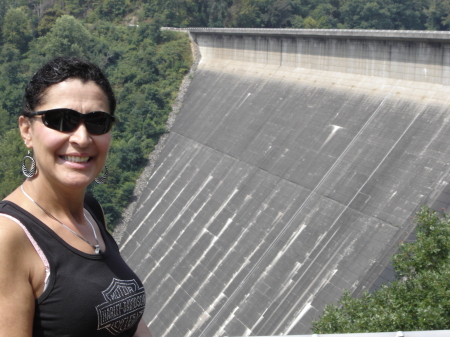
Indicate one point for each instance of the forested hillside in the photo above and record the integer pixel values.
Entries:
(349, 14)
(144, 65)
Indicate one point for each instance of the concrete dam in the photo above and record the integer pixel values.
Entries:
(291, 173)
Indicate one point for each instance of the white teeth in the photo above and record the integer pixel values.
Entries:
(76, 159)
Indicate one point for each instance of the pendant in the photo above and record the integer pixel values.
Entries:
(97, 249)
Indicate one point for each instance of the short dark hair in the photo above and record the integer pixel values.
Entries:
(58, 70)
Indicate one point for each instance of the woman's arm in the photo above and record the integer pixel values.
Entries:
(17, 296)
(142, 330)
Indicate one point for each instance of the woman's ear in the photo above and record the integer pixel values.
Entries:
(25, 131)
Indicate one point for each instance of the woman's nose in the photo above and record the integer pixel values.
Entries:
(81, 135)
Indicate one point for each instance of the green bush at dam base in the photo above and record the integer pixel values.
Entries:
(418, 300)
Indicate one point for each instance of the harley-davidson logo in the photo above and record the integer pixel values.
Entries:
(124, 306)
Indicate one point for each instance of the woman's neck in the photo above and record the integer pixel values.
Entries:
(57, 201)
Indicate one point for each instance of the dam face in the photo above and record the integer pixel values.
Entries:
(291, 173)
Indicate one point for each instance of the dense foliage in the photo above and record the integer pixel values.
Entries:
(350, 14)
(144, 65)
(418, 300)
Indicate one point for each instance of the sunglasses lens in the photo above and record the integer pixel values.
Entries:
(98, 123)
(61, 120)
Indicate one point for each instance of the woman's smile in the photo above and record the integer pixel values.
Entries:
(75, 159)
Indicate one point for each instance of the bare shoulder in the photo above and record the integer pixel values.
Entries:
(10, 230)
(12, 235)
(14, 243)
(16, 291)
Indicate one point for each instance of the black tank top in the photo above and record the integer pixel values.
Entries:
(87, 294)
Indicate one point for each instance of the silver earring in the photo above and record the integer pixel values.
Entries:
(32, 171)
(102, 179)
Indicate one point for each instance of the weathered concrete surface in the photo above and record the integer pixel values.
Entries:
(280, 186)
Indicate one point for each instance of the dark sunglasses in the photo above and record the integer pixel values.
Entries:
(67, 120)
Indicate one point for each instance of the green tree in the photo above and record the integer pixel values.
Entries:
(76, 7)
(3, 9)
(131, 156)
(66, 37)
(48, 20)
(278, 14)
(11, 161)
(113, 9)
(362, 14)
(4, 125)
(310, 23)
(16, 28)
(418, 300)
(218, 13)
(245, 14)
(324, 14)
(438, 15)
(408, 14)
(297, 21)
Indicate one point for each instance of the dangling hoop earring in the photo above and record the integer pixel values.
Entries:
(102, 179)
(32, 171)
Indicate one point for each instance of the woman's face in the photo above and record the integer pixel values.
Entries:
(70, 159)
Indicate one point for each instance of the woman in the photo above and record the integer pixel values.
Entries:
(61, 273)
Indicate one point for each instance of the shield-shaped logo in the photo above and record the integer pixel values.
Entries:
(124, 306)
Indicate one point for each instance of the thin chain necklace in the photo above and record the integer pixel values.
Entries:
(96, 247)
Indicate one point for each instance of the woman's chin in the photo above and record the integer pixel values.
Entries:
(77, 181)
